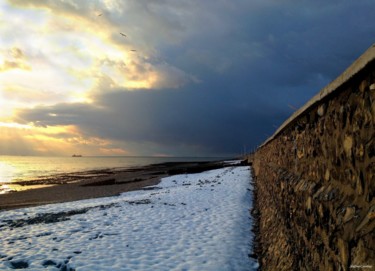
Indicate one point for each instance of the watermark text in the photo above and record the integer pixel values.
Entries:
(360, 266)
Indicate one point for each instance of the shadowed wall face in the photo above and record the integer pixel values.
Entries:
(316, 184)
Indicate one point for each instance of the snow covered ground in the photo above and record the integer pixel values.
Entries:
(187, 222)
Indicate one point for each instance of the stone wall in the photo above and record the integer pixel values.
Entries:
(315, 180)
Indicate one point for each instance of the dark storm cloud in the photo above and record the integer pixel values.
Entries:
(190, 118)
(253, 59)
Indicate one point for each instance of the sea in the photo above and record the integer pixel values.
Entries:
(24, 168)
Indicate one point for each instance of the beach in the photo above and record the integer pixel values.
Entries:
(96, 183)
(196, 217)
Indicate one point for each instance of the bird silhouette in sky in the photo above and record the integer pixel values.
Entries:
(122, 34)
(100, 14)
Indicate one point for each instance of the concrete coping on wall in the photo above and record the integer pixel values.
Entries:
(349, 73)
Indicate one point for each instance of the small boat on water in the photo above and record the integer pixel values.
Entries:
(76, 155)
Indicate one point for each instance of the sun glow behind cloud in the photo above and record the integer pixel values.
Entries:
(54, 52)
(14, 125)
(57, 140)
(66, 51)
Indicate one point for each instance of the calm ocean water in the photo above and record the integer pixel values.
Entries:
(30, 167)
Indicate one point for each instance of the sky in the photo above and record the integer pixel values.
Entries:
(166, 77)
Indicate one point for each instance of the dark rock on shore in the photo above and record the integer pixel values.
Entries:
(19, 264)
(50, 217)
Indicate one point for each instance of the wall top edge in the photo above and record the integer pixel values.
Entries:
(359, 64)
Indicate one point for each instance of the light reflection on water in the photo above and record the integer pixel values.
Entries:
(7, 170)
(16, 168)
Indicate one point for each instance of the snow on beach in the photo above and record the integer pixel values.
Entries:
(187, 222)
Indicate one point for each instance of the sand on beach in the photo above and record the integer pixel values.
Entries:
(101, 183)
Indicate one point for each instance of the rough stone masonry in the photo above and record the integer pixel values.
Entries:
(315, 180)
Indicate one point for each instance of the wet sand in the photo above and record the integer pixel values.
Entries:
(97, 183)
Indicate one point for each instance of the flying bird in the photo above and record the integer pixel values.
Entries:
(133, 50)
(122, 34)
(292, 107)
(100, 14)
